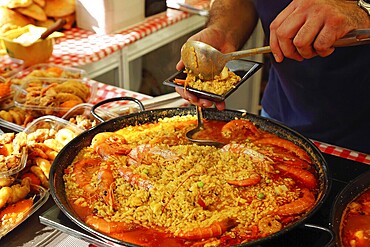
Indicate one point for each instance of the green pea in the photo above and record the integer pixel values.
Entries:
(200, 184)
(145, 171)
(260, 196)
(268, 181)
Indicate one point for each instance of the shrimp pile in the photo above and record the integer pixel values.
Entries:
(148, 180)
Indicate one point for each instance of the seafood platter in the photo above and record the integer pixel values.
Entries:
(32, 104)
(26, 159)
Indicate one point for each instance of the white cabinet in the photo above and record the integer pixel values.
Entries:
(247, 96)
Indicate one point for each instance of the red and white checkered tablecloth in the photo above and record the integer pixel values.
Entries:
(343, 152)
(105, 91)
(79, 47)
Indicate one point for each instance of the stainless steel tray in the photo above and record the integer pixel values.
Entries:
(55, 218)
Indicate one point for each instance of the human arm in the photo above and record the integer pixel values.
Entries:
(230, 24)
(307, 28)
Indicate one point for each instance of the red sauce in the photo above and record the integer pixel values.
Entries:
(355, 229)
(3, 150)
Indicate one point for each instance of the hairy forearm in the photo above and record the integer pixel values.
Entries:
(236, 18)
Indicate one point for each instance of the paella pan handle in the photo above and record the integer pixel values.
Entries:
(97, 105)
(331, 242)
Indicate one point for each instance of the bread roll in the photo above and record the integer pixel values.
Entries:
(10, 17)
(41, 3)
(59, 8)
(47, 23)
(34, 11)
(15, 3)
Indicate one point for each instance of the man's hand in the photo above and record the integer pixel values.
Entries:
(307, 28)
(216, 39)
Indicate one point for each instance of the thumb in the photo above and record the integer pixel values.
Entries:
(180, 65)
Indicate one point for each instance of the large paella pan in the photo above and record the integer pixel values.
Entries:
(165, 191)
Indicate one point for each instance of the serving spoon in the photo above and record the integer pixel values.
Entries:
(200, 127)
(205, 60)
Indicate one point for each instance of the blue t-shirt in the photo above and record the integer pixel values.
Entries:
(326, 99)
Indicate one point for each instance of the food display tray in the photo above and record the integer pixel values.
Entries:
(55, 218)
(10, 66)
(21, 95)
(40, 197)
(51, 122)
(68, 72)
(243, 68)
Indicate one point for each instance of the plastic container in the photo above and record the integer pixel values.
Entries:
(11, 126)
(40, 196)
(108, 16)
(32, 53)
(12, 115)
(6, 91)
(44, 96)
(52, 123)
(82, 117)
(18, 159)
(10, 66)
(48, 71)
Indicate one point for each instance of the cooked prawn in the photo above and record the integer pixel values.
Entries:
(269, 225)
(288, 145)
(301, 205)
(259, 159)
(302, 176)
(241, 148)
(20, 191)
(5, 193)
(240, 129)
(108, 227)
(214, 230)
(44, 165)
(106, 184)
(83, 170)
(107, 144)
(143, 153)
(135, 179)
(253, 179)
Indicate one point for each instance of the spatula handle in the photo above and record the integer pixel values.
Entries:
(56, 26)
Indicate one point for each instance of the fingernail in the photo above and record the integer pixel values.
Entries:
(277, 58)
